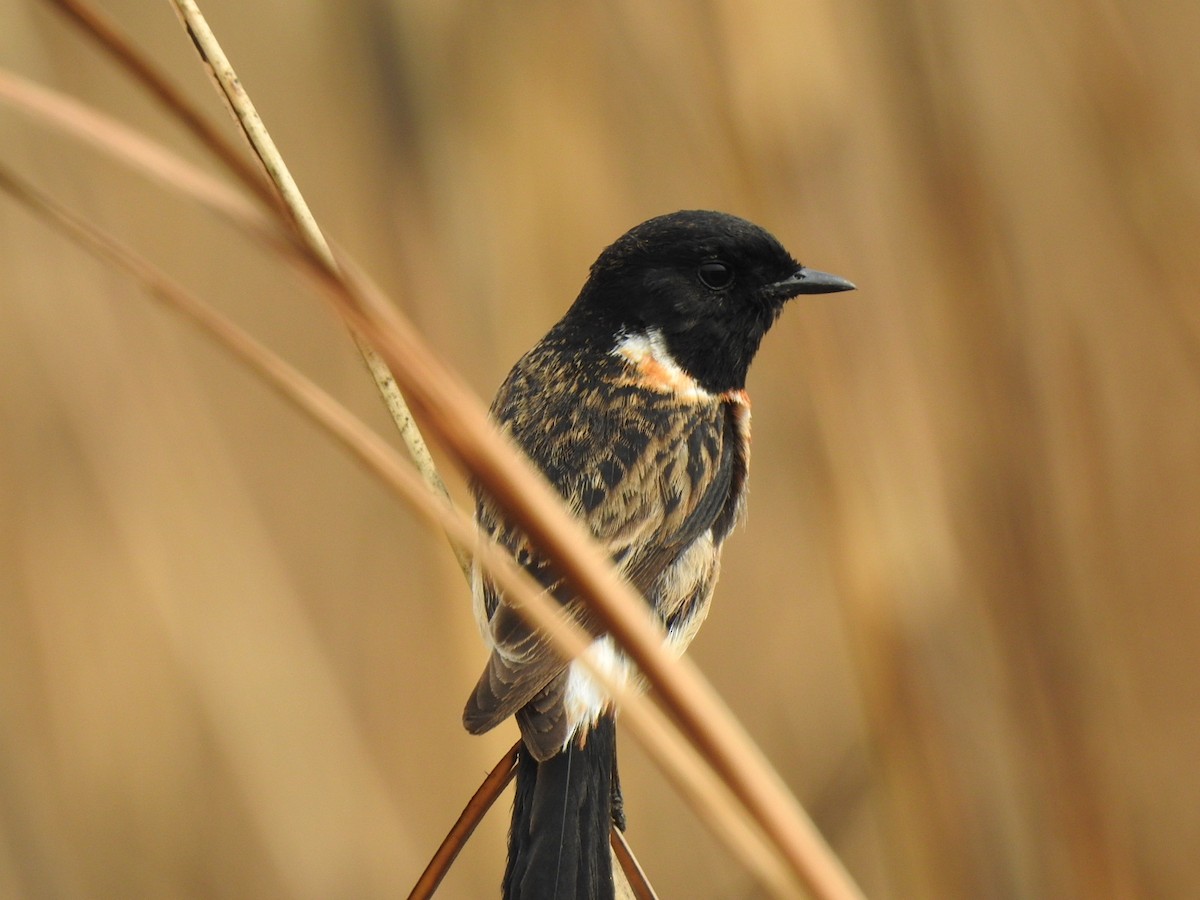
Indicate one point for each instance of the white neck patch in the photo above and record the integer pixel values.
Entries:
(647, 352)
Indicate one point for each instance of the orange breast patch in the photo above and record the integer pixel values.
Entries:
(657, 370)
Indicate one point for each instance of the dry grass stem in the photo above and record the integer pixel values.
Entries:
(95, 24)
(635, 877)
(154, 160)
(481, 801)
(131, 148)
(301, 217)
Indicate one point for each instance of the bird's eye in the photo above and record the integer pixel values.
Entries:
(715, 275)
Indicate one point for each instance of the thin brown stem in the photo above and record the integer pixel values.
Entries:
(481, 801)
(96, 25)
(305, 225)
(635, 876)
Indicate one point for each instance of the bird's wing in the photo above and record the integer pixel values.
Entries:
(645, 509)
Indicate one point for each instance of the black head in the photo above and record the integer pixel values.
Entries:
(710, 283)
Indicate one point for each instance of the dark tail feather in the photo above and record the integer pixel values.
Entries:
(558, 843)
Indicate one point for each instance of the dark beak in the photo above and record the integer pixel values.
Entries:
(810, 281)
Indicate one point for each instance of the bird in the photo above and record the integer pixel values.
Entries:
(634, 407)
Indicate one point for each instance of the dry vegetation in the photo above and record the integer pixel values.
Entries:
(962, 620)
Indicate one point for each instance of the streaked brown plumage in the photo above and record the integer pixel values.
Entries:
(652, 469)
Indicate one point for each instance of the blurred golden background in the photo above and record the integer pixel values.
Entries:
(963, 619)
